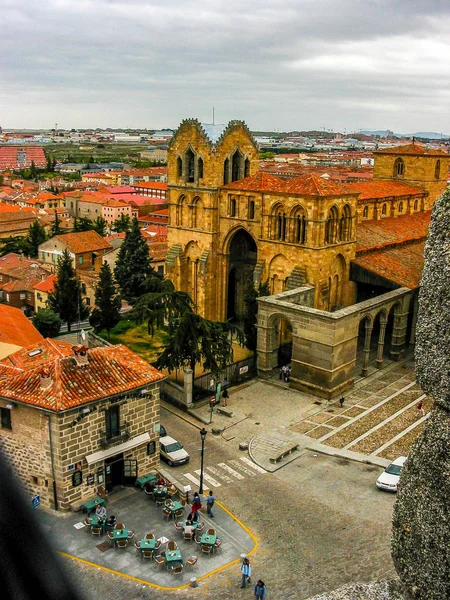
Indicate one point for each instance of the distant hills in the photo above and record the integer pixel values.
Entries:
(429, 135)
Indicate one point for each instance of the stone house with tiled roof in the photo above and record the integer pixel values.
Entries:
(74, 418)
(85, 247)
(230, 223)
(18, 276)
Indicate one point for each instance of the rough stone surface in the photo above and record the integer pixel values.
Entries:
(378, 590)
(421, 519)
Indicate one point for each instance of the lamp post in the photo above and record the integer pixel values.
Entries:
(203, 433)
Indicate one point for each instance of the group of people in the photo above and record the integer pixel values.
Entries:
(246, 570)
(197, 505)
(285, 373)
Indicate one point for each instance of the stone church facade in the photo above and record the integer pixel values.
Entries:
(230, 224)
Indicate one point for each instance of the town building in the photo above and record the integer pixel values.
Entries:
(74, 419)
(18, 157)
(18, 276)
(15, 220)
(86, 249)
(16, 331)
(306, 236)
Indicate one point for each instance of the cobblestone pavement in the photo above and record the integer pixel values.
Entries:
(320, 522)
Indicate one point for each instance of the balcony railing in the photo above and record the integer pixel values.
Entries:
(121, 434)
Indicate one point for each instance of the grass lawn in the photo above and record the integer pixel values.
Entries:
(138, 340)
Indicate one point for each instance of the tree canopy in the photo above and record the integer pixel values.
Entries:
(123, 224)
(36, 235)
(47, 322)
(108, 303)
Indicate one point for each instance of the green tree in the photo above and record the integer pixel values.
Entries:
(106, 315)
(100, 226)
(36, 235)
(191, 339)
(56, 228)
(33, 170)
(66, 298)
(1, 179)
(83, 224)
(133, 271)
(16, 244)
(47, 322)
(123, 224)
(251, 310)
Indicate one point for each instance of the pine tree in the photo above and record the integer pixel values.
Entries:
(36, 235)
(108, 304)
(122, 225)
(56, 228)
(66, 298)
(83, 224)
(100, 226)
(133, 271)
(33, 170)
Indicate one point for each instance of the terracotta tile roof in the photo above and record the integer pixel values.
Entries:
(111, 370)
(83, 241)
(261, 182)
(16, 328)
(24, 276)
(155, 185)
(378, 234)
(12, 208)
(402, 264)
(384, 189)
(412, 148)
(47, 286)
(117, 189)
(16, 157)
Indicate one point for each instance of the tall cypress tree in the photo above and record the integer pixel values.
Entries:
(133, 270)
(108, 304)
(36, 235)
(66, 298)
(56, 227)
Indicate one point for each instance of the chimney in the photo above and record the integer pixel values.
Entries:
(80, 355)
(46, 379)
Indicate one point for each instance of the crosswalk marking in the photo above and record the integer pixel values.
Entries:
(219, 475)
(251, 464)
(209, 479)
(228, 469)
(194, 480)
(242, 467)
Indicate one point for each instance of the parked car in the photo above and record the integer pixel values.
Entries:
(172, 451)
(162, 431)
(389, 478)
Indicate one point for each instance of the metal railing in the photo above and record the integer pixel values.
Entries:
(233, 374)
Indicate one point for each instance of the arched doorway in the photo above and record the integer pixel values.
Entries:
(241, 264)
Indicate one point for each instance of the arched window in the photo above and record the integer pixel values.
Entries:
(281, 226)
(399, 168)
(400, 208)
(247, 168)
(416, 204)
(366, 212)
(226, 171)
(437, 169)
(299, 225)
(179, 213)
(195, 210)
(200, 168)
(384, 210)
(236, 166)
(179, 167)
(232, 207)
(331, 226)
(251, 209)
(345, 224)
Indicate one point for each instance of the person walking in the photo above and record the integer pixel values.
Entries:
(225, 397)
(420, 407)
(246, 571)
(195, 507)
(210, 503)
(260, 589)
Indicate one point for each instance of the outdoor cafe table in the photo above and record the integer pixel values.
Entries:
(175, 506)
(160, 492)
(148, 544)
(173, 558)
(120, 534)
(91, 505)
(193, 524)
(208, 539)
(98, 522)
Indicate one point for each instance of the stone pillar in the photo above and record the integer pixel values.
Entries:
(383, 323)
(188, 387)
(412, 337)
(399, 333)
(367, 348)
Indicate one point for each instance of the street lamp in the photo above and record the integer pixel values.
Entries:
(203, 433)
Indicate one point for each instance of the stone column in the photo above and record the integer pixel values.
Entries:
(383, 323)
(399, 334)
(412, 337)
(188, 387)
(367, 348)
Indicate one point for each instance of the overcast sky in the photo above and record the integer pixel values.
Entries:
(278, 64)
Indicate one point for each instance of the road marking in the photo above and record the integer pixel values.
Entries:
(209, 479)
(228, 469)
(219, 475)
(194, 480)
(251, 464)
(242, 467)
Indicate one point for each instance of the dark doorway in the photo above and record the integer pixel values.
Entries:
(242, 262)
(114, 472)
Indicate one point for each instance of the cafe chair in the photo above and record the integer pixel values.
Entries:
(131, 535)
(147, 554)
(102, 493)
(183, 502)
(149, 536)
(158, 545)
(121, 544)
(159, 501)
(178, 570)
(159, 560)
(200, 527)
(110, 537)
(167, 513)
(137, 544)
(197, 539)
(177, 526)
(119, 526)
(179, 514)
(111, 523)
(211, 532)
(87, 521)
(168, 502)
(192, 562)
(172, 545)
(217, 545)
(96, 531)
(206, 549)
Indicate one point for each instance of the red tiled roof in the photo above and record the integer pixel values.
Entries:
(383, 189)
(9, 157)
(16, 328)
(83, 241)
(111, 370)
(402, 264)
(47, 286)
(156, 185)
(392, 231)
(412, 149)
(117, 189)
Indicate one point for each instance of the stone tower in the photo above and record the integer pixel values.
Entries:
(415, 165)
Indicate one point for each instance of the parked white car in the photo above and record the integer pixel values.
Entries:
(172, 451)
(389, 478)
